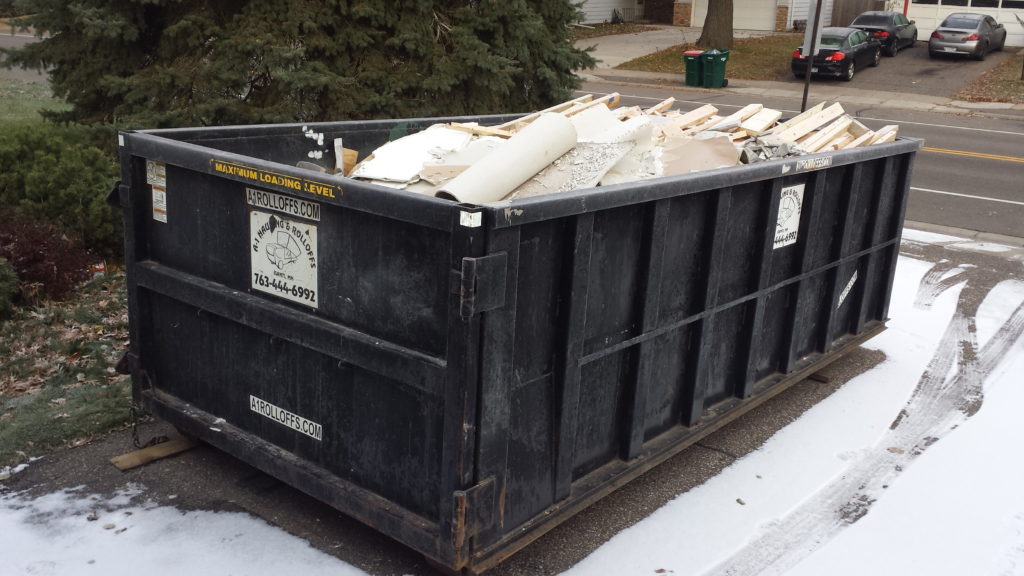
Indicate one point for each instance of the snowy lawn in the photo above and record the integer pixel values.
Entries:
(912, 468)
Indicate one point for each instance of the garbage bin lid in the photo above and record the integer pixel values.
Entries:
(693, 52)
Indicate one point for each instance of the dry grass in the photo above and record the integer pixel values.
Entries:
(58, 385)
(1000, 84)
(765, 58)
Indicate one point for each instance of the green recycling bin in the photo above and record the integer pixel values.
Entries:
(714, 68)
(694, 67)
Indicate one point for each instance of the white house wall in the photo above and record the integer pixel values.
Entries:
(929, 16)
(598, 11)
(798, 11)
(746, 14)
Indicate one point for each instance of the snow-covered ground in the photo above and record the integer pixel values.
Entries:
(914, 467)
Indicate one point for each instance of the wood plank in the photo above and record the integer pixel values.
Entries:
(862, 140)
(807, 126)
(703, 125)
(885, 134)
(610, 100)
(761, 121)
(519, 123)
(480, 130)
(662, 106)
(695, 117)
(839, 142)
(798, 118)
(818, 140)
(152, 453)
(733, 121)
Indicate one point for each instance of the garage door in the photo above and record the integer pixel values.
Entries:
(746, 14)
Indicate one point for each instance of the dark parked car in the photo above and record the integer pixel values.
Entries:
(842, 52)
(972, 34)
(892, 29)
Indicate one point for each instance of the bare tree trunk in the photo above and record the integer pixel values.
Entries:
(717, 32)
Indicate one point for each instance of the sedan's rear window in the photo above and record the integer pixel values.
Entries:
(960, 23)
(872, 20)
(832, 42)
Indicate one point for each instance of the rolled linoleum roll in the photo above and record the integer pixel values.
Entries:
(506, 167)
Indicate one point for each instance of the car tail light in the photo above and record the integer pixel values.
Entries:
(797, 54)
(836, 56)
(970, 38)
(938, 36)
(881, 34)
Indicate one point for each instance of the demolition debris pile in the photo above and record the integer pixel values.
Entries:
(590, 142)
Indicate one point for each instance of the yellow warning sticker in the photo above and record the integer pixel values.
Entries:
(266, 177)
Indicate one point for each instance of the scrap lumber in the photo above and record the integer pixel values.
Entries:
(819, 139)
(698, 128)
(862, 140)
(798, 118)
(857, 129)
(661, 107)
(152, 453)
(474, 128)
(610, 100)
(733, 121)
(695, 117)
(761, 121)
(805, 127)
(839, 142)
(519, 123)
(885, 134)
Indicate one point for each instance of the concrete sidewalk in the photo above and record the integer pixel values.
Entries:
(611, 51)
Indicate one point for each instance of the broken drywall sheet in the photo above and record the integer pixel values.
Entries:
(702, 152)
(521, 157)
(402, 160)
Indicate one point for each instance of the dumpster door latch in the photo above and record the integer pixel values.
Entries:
(481, 284)
(473, 511)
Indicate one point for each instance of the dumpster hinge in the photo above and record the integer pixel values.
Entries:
(481, 284)
(472, 511)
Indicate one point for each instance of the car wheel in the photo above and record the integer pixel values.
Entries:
(893, 50)
(877, 58)
(850, 71)
(982, 53)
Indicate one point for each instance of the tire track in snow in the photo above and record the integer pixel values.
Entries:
(949, 391)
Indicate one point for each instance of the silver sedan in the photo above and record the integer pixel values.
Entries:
(962, 33)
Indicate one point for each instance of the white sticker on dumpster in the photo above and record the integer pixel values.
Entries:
(284, 257)
(286, 418)
(156, 173)
(787, 224)
(282, 203)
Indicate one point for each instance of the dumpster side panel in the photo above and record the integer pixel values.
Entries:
(640, 327)
(375, 432)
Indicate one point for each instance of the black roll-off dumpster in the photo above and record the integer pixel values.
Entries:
(465, 377)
